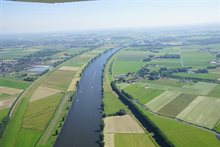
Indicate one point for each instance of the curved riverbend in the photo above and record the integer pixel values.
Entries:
(81, 128)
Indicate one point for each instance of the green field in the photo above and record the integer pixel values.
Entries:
(162, 100)
(9, 82)
(215, 92)
(111, 102)
(203, 111)
(171, 63)
(39, 112)
(27, 137)
(199, 75)
(181, 134)
(203, 87)
(3, 113)
(133, 140)
(176, 98)
(217, 126)
(143, 94)
(177, 105)
(196, 59)
(128, 61)
(166, 82)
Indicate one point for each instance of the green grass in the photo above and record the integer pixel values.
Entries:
(39, 112)
(111, 101)
(174, 107)
(27, 138)
(122, 67)
(13, 127)
(171, 63)
(203, 111)
(181, 134)
(204, 87)
(199, 75)
(142, 94)
(161, 100)
(166, 82)
(194, 58)
(133, 140)
(3, 113)
(215, 92)
(13, 83)
(14, 53)
(217, 126)
(129, 61)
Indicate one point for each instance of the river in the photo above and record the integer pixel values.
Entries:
(81, 127)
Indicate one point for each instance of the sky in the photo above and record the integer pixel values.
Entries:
(23, 17)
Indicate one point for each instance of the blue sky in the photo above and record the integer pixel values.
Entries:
(21, 17)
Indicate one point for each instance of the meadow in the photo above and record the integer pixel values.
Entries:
(128, 61)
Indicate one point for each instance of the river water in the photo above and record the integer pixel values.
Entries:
(81, 128)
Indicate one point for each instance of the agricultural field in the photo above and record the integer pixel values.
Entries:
(128, 61)
(125, 131)
(117, 131)
(177, 87)
(133, 140)
(143, 94)
(10, 89)
(45, 100)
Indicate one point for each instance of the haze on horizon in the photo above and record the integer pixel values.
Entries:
(22, 17)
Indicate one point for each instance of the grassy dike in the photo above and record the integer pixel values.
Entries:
(15, 135)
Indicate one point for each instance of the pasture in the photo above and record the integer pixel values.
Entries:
(162, 100)
(171, 63)
(128, 61)
(204, 88)
(182, 134)
(197, 103)
(39, 112)
(133, 140)
(203, 111)
(195, 58)
(198, 75)
(3, 113)
(143, 94)
(177, 105)
(215, 92)
(112, 104)
(13, 83)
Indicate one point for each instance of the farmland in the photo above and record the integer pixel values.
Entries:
(120, 130)
(176, 87)
(124, 130)
(44, 100)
